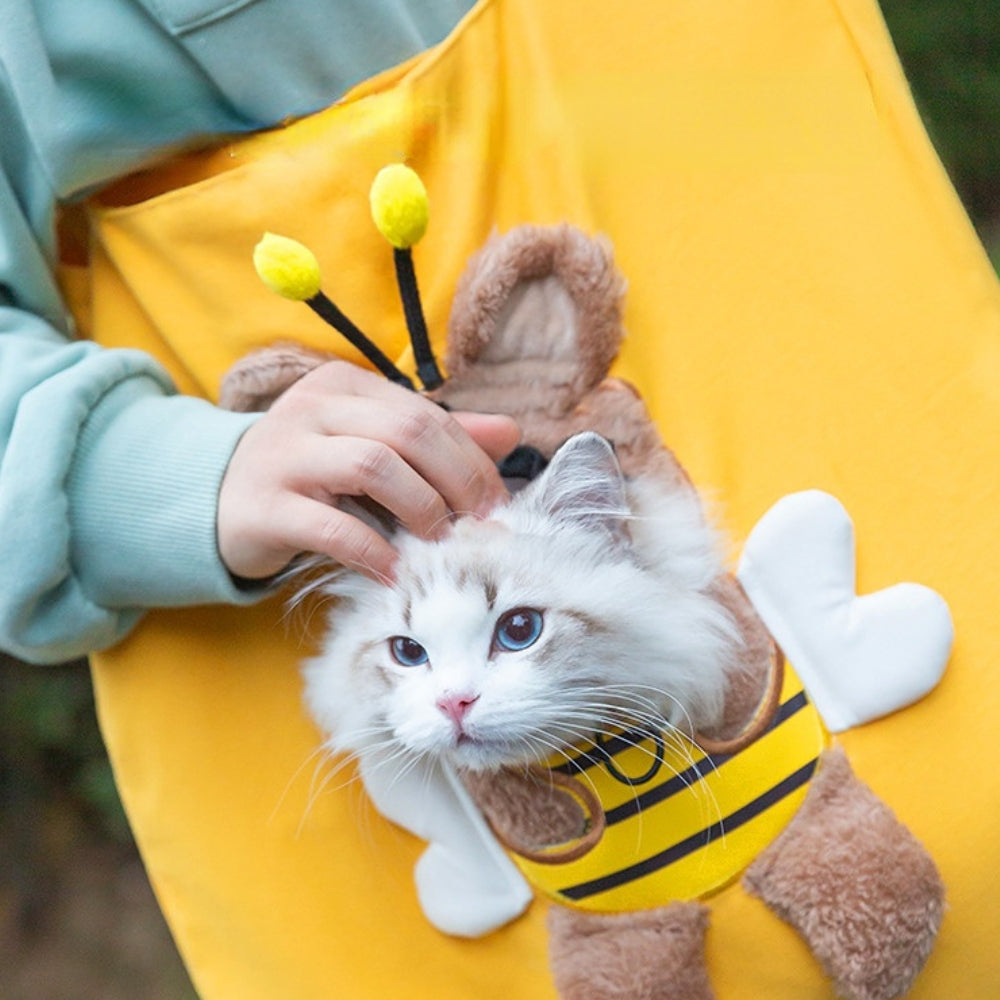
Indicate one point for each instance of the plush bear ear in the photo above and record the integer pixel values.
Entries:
(259, 378)
(536, 313)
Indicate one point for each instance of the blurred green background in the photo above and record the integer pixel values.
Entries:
(77, 919)
(950, 50)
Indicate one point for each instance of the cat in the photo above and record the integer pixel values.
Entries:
(583, 605)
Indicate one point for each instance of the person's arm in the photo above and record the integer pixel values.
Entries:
(108, 479)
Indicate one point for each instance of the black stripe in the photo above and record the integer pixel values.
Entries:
(683, 782)
(698, 840)
(596, 755)
(687, 779)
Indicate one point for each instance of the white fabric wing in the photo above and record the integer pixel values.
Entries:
(859, 657)
(466, 884)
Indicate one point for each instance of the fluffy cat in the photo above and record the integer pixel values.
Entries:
(583, 604)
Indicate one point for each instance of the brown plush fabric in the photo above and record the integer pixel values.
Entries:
(500, 289)
(747, 686)
(257, 380)
(650, 955)
(525, 810)
(535, 324)
(855, 883)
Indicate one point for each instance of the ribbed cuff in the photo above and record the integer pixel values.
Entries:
(143, 492)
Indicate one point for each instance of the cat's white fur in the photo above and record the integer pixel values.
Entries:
(621, 572)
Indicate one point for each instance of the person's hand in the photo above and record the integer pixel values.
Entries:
(342, 431)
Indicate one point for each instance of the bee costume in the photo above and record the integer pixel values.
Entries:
(677, 823)
(807, 307)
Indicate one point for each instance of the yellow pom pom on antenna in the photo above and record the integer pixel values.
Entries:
(287, 267)
(399, 205)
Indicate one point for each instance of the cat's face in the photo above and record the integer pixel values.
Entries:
(527, 632)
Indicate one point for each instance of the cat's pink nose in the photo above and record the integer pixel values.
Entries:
(456, 706)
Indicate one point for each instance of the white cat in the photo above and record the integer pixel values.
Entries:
(583, 604)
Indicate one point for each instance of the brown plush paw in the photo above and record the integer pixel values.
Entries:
(855, 883)
(648, 955)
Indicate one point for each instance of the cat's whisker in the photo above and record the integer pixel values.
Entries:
(318, 572)
(342, 760)
(317, 788)
(633, 688)
(702, 792)
(582, 774)
(686, 749)
(382, 578)
(615, 733)
(582, 723)
(596, 760)
(413, 761)
(648, 726)
(546, 746)
(454, 515)
(683, 749)
(591, 718)
(310, 579)
(389, 754)
(636, 702)
(318, 757)
(681, 746)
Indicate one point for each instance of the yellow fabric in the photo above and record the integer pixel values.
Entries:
(682, 823)
(808, 307)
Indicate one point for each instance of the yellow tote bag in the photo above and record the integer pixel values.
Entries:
(807, 307)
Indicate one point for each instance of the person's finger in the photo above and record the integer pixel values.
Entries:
(428, 438)
(331, 467)
(343, 378)
(496, 434)
(312, 526)
(341, 431)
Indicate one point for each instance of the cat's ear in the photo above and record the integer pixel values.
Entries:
(584, 485)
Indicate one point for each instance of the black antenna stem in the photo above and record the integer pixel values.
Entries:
(406, 277)
(324, 307)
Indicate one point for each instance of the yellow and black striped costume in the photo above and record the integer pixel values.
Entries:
(681, 823)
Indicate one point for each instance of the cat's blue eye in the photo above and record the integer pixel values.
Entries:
(518, 629)
(407, 652)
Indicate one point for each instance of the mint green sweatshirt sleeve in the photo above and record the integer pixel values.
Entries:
(108, 477)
